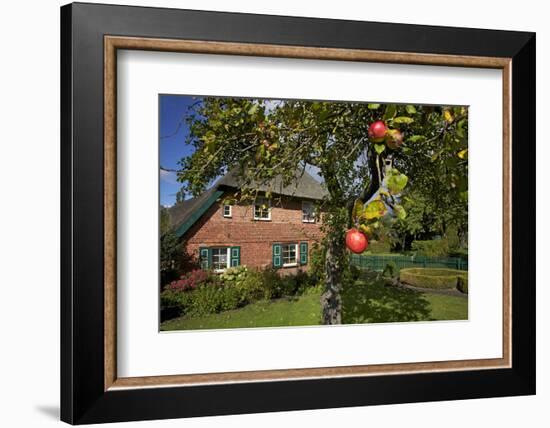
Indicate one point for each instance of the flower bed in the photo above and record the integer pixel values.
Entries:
(201, 292)
(440, 279)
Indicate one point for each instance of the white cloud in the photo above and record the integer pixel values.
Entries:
(168, 176)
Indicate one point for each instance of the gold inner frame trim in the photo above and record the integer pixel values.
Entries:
(113, 43)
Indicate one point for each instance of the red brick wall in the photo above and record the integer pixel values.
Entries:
(255, 237)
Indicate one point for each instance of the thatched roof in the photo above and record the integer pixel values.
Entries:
(184, 214)
(305, 186)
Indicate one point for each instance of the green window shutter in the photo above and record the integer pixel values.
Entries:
(303, 253)
(205, 257)
(235, 256)
(277, 256)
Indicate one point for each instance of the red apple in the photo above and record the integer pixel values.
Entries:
(377, 131)
(394, 138)
(356, 241)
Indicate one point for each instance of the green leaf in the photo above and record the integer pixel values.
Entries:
(373, 106)
(253, 109)
(358, 208)
(400, 212)
(396, 182)
(416, 138)
(209, 136)
(451, 162)
(374, 210)
(391, 110)
(379, 148)
(365, 229)
(410, 109)
(462, 184)
(460, 128)
(403, 119)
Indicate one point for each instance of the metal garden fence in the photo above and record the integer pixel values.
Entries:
(378, 263)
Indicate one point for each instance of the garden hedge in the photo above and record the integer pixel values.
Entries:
(431, 248)
(435, 278)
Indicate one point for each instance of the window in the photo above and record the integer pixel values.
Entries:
(220, 259)
(262, 209)
(308, 212)
(227, 211)
(287, 255)
(290, 254)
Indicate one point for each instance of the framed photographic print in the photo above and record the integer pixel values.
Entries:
(266, 213)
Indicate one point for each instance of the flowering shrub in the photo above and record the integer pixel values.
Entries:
(201, 292)
(234, 275)
(208, 298)
(190, 281)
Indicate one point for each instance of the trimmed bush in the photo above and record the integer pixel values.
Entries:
(377, 247)
(459, 252)
(462, 284)
(433, 278)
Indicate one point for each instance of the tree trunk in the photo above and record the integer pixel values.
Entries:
(331, 300)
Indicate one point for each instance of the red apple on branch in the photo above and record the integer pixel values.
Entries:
(356, 241)
(377, 131)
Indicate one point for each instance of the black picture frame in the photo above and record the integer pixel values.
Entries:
(83, 398)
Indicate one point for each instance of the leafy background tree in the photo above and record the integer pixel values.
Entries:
(425, 146)
(173, 260)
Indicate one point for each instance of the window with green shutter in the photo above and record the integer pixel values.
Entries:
(205, 258)
(277, 259)
(303, 253)
(235, 256)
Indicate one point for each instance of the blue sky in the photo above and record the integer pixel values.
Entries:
(173, 109)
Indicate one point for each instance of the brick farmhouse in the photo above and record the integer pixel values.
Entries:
(278, 232)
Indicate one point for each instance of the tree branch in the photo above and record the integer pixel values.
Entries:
(375, 182)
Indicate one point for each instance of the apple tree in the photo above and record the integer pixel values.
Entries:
(364, 153)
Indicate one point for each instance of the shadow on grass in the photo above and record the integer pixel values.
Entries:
(369, 301)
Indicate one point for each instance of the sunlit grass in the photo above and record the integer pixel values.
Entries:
(368, 300)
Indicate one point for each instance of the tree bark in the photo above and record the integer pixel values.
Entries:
(331, 300)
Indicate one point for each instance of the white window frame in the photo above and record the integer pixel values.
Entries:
(296, 252)
(230, 211)
(312, 206)
(228, 256)
(262, 201)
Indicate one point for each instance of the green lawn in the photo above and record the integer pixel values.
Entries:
(367, 301)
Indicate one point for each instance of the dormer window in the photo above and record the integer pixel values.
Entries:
(227, 211)
(262, 209)
(308, 212)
